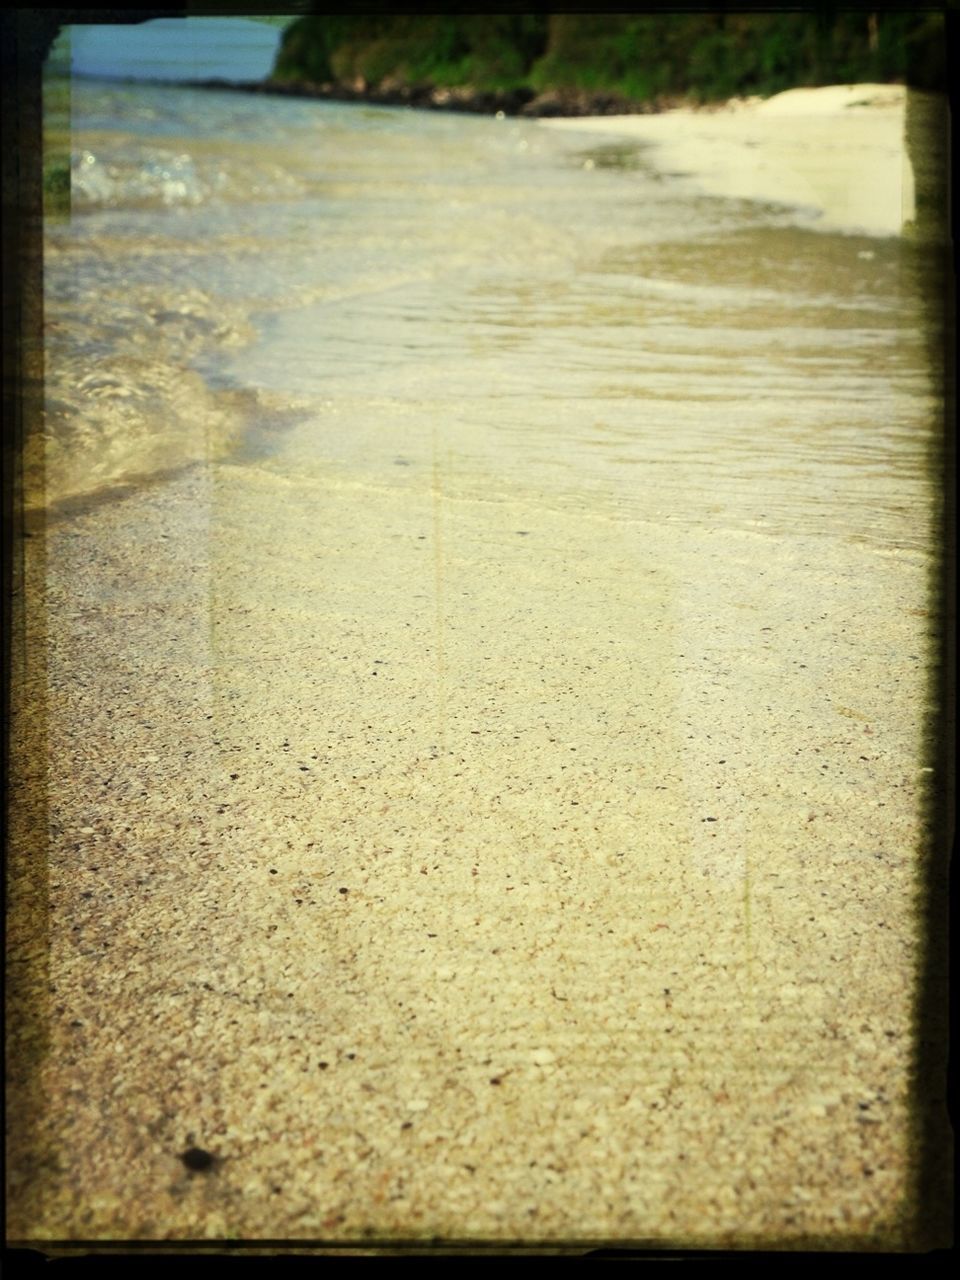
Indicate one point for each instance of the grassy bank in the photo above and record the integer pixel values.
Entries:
(641, 59)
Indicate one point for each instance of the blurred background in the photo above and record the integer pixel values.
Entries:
(638, 58)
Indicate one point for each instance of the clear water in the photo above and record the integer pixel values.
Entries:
(343, 290)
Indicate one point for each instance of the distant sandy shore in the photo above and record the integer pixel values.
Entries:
(839, 150)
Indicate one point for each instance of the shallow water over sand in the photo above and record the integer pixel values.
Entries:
(487, 803)
(281, 280)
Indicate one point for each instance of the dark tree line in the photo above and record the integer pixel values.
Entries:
(637, 57)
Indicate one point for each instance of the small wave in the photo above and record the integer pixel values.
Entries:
(124, 398)
(133, 176)
(143, 421)
(165, 178)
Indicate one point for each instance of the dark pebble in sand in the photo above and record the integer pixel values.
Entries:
(196, 1159)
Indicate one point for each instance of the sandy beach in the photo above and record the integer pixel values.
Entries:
(838, 151)
(481, 917)
(409, 850)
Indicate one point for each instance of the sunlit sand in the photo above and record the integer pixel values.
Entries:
(839, 150)
(488, 808)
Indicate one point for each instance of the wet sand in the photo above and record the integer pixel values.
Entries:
(450, 867)
(838, 151)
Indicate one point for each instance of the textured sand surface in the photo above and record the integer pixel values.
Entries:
(837, 150)
(452, 867)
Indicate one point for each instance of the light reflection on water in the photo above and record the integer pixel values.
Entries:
(569, 321)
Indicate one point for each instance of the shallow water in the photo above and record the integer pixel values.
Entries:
(430, 736)
(300, 284)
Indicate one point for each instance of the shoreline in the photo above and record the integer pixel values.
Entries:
(780, 150)
(519, 102)
(839, 151)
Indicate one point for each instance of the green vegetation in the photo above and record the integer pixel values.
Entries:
(56, 146)
(639, 58)
(272, 20)
(56, 189)
(485, 51)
